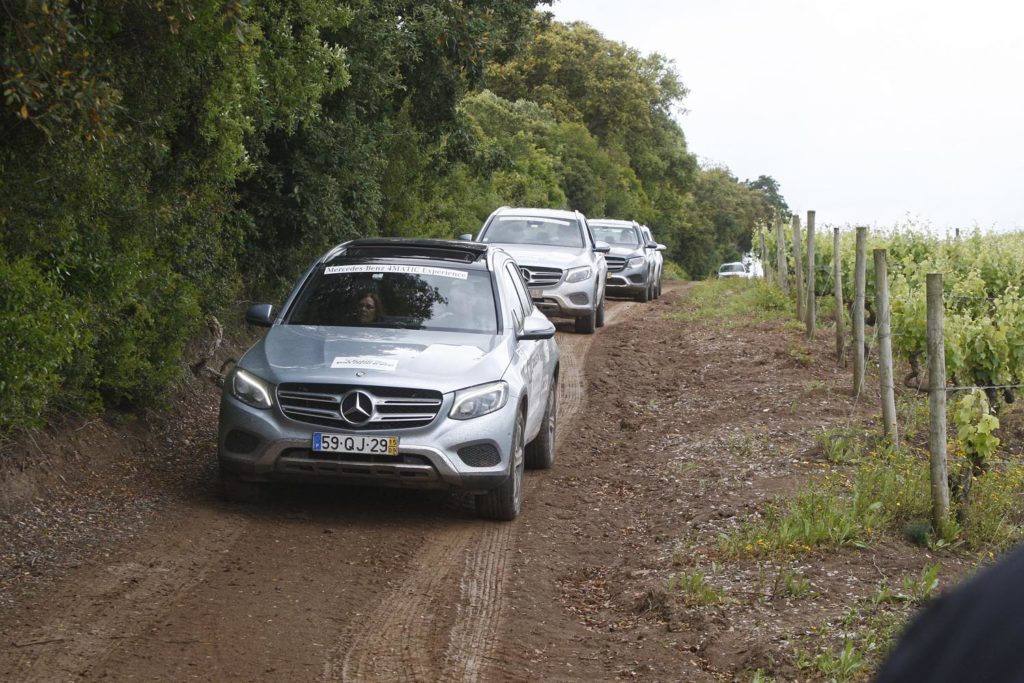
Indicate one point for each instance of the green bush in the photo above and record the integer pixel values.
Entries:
(40, 334)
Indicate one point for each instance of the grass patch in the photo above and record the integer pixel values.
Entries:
(847, 508)
(695, 588)
(866, 632)
(879, 489)
(733, 301)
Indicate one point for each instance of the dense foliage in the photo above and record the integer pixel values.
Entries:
(164, 160)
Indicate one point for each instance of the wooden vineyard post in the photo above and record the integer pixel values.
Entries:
(782, 272)
(937, 403)
(798, 268)
(763, 255)
(812, 279)
(837, 279)
(859, 278)
(885, 347)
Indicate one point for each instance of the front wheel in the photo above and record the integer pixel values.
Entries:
(540, 453)
(599, 315)
(585, 324)
(503, 503)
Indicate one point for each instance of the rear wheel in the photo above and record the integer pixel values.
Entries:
(586, 324)
(540, 453)
(504, 502)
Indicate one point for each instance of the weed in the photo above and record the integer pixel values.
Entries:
(840, 445)
(841, 666)
(801, 355)
(791, 584)
(695, 588)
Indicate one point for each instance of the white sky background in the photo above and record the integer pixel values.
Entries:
(870, 112)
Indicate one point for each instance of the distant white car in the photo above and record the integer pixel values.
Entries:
(734, 269)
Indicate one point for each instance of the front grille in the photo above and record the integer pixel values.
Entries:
(615, 263)
(393, 408)
(480, 455)
(537, 276)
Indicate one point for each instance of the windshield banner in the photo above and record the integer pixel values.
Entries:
(395, 268)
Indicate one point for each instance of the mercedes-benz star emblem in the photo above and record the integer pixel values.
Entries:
(356, 408)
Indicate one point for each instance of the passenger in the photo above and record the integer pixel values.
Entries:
(369, 310)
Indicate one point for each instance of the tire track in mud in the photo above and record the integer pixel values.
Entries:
(395, 643)
(402, 639)
(121, 603)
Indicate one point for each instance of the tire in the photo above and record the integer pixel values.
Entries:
(503, 503)
(657, 289)
(236, 490)
(586, 324)
(540, 453)
(643, 296)
(599, 315)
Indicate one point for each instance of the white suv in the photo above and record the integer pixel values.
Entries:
(562, 263)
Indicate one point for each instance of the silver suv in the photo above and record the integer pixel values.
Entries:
(411, 363)
(632, 266)
(562, 263)
(655, 248)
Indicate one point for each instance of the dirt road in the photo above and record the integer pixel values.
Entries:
(367, 585)
(124, 564)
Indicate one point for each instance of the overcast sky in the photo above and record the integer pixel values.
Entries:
(867, 111)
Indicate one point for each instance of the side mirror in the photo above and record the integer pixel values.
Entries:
(261, 315)
(651, 245)
(602, 247)
(466, 237)
(660, 246)
(536, 328)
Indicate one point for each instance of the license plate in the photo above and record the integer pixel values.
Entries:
(348, 443)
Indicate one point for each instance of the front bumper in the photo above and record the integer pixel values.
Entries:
(265, 445)
(565, 300)
(627, 281)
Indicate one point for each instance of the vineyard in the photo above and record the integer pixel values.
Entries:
(983, 331)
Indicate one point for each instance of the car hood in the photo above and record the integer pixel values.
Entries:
(547, 256)
(443, 361)
(625, 252)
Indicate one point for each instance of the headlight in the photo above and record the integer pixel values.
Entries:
(480, 400)
(250, 389)
(635, 261)
(579, 274)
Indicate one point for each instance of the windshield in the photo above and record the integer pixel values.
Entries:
(732, 268)
(551, 232)
(351, 294)
(615, 236)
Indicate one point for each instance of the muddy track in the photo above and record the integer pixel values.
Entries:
(350, 585)
(402, 638)
(120, 601)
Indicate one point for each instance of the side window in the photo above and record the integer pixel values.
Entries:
(510, 297)
(520, 286)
